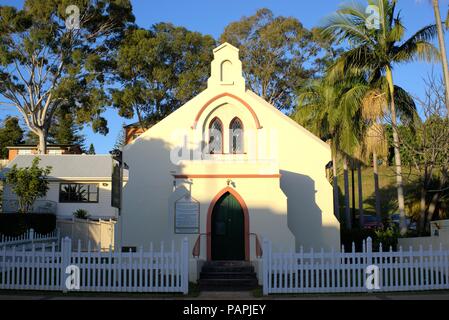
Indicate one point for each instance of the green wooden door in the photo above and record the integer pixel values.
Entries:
(228, 230)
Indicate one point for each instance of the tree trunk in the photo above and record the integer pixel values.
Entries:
(42, 147)
(376, 187)
(422, 211)
(335, 183)
(361, 215)
(432, 207)
(347, 206)
(397, 155)
(353, 192)
(442, 45)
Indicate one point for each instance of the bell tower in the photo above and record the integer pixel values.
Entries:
(226, 69)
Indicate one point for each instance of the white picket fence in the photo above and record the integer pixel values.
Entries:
(29, 237)
(114, 271)
(331, 272)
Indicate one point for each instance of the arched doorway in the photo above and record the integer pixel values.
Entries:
(228, 228)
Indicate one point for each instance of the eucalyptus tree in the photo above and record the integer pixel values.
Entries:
(377, 49)
(159, 70)
(58, 53)
(278, 53)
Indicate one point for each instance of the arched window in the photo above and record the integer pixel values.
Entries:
(236, 136)
(215, 136)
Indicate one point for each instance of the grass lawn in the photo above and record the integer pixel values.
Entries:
(387, 187)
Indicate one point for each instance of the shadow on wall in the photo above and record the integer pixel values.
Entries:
(149, 177)
(305, 218)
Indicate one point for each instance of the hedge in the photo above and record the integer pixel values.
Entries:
(16, 224)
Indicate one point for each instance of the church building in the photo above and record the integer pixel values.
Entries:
(225, 171)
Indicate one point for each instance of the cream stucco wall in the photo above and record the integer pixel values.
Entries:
(292, 210)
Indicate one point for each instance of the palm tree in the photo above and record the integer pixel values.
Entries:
(377, 51)
(374, 108)
(442, 45)
(328, 109)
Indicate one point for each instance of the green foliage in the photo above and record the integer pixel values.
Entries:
(45, 66)
(332, 110)
(120, 141)
(81, 214)
(91, 150)
(31, 138)
(64, 129)
(388, 237)
(161, 69)
(28, 184)
(276, 53)
(11, 134)
(14, 225)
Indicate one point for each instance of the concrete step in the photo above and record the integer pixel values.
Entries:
(228, 284)
(228, 275)
(228, 266)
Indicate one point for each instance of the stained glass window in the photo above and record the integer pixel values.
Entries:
(236, 136)
(216, 137)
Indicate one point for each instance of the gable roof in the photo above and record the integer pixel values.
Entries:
(68, 166)
(287, 118)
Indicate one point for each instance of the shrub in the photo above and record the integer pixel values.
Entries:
(81, 214)
(388, 237)
(28, 184)
(43, 223)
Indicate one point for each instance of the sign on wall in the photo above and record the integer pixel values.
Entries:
(187, 215)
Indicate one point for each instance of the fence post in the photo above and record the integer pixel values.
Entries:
(266, 260)
(369, 251)
(369, 257)
(32, 235)
(185, 266)
(66, 254)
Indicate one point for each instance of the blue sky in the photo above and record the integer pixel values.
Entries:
(211, 17)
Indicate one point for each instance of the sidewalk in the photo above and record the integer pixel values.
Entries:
(229, 296)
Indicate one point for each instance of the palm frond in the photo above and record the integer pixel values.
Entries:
(405, 105)
(375, 141)
(418, 50)
(358, 58)
(374, 105)
(348, 23)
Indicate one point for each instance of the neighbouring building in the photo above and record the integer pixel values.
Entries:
(52, 149)
(135, 130)
(76, 182)
(225, 169)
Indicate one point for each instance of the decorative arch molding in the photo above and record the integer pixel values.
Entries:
(242, 203)
(230, 95)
